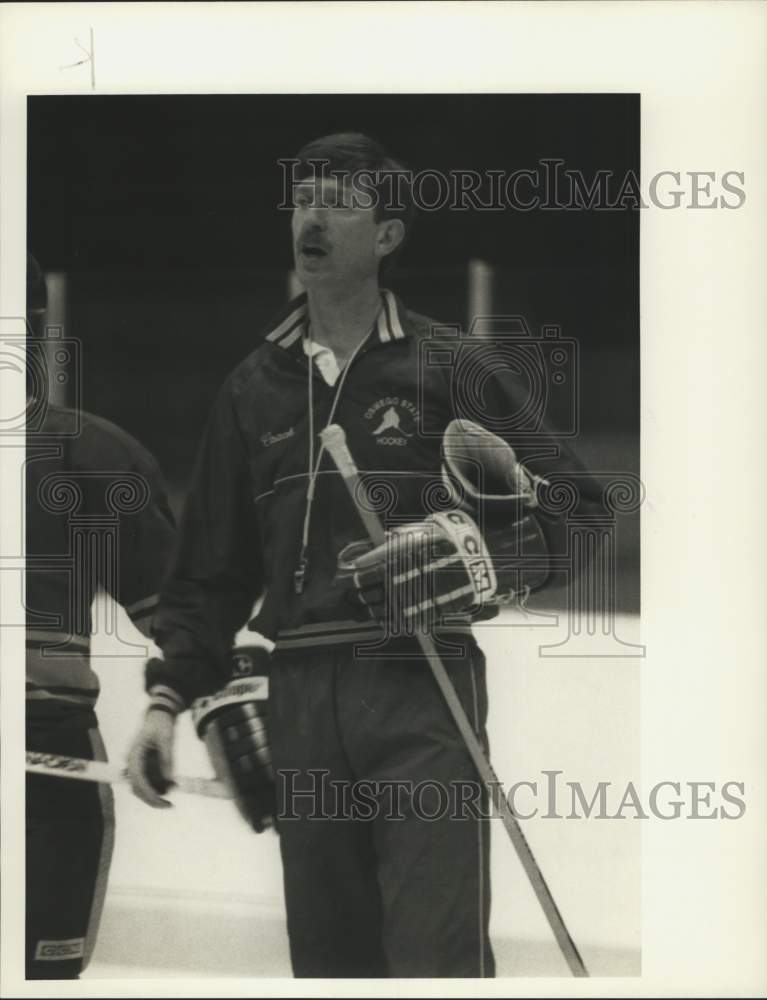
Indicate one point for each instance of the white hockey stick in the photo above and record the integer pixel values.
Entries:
(55, 766)
(334, 439)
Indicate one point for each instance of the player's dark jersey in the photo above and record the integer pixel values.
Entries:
(97, 516)
(242, 531)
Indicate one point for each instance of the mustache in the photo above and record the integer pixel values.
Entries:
(314, 240)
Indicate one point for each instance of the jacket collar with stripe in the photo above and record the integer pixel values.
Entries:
(287, 332)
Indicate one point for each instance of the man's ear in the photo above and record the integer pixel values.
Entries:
(391, 232)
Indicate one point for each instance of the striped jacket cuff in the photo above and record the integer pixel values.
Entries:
(166, 699)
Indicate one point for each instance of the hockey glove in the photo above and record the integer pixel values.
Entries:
(422, 572)
(233, 724)
(489, 549)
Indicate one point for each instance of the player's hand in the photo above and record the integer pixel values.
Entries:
(421, 573)
(150, 761)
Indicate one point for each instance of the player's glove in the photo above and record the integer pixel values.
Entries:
(489, 549)
(233, 724)
(422, 572)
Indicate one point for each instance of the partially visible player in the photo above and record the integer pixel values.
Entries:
(96, 517)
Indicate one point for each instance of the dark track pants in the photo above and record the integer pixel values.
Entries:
(375, 895)
(69, 839)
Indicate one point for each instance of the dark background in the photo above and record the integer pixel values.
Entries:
(162, 213)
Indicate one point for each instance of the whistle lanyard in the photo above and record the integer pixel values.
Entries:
(299, 575)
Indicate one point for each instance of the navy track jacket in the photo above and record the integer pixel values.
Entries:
(241, 533)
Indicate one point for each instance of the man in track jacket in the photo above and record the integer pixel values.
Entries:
(387, 891)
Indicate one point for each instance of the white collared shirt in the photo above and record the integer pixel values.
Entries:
(325, 360)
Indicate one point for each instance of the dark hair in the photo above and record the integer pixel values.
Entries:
(353, 153)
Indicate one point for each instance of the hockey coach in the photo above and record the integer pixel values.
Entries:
(351, 697)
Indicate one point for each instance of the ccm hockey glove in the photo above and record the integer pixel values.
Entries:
(233, 724)
(489, 549)
(422, 572)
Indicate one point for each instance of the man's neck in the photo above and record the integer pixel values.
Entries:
(340, 320)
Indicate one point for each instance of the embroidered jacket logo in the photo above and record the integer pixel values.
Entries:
(269, 438)
(391, 417)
